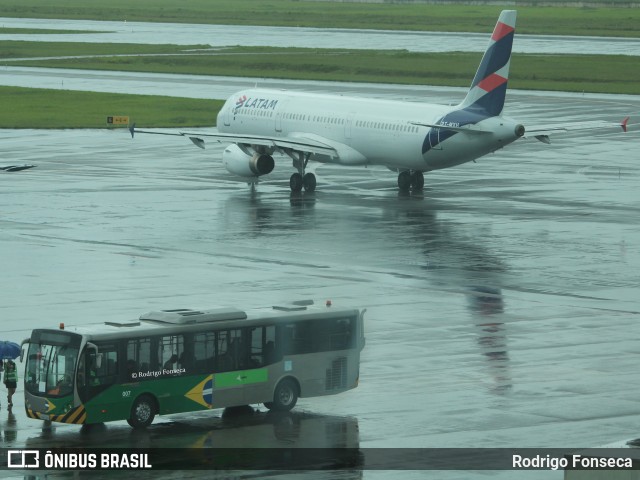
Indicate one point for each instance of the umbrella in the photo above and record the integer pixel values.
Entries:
(9, 350)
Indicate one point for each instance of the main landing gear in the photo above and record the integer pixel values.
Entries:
(297, 182)
(301, 180)
(410, 179)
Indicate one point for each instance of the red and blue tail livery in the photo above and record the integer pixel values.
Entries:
(489, 86)
(488, 90)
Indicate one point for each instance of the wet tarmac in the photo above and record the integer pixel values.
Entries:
(502, 302)
(231, 35)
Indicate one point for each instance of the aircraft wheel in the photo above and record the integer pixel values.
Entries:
(417, 181)
(309, 182)
(404, 181)
(295, 182)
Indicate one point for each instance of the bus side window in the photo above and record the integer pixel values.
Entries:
(170, 347)
(104, 371)
(341, 337)
(204, 349)
(132, 367)
(312, 336)
(186, 361)
(269, 352)
(231, 353)
(299, 338)
(237, 350)
(263, 348)
(223, 358)
(287, 339)
(138, 353)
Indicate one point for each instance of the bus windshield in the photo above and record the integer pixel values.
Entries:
(50, 368)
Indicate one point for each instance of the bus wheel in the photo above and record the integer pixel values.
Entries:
(285, 396)
(143, 412)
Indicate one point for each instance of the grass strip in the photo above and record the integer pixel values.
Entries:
(577, 73)
(557, 20)
(44, 108)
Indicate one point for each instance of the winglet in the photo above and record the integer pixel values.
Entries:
(623, 124)
(132, 129)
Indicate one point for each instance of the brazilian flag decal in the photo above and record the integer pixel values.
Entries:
(51, 405)
(202, 393)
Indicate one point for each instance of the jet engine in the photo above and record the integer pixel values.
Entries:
(236, 161)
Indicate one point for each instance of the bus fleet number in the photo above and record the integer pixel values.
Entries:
(126, 393)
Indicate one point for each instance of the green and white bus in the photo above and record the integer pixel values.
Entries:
(185, 360)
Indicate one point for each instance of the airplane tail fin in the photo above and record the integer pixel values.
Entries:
(489, 86)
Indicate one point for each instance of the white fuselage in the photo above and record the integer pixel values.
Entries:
(365, 130)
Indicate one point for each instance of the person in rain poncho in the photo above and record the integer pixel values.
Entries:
(10, 380)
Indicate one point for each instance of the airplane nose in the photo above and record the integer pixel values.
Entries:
(519, 130)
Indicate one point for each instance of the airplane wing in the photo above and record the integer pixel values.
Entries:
(542, 132)
(299, 143)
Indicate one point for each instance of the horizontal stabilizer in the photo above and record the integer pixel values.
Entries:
(542, 132)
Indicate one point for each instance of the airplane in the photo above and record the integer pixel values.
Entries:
(409, 138)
